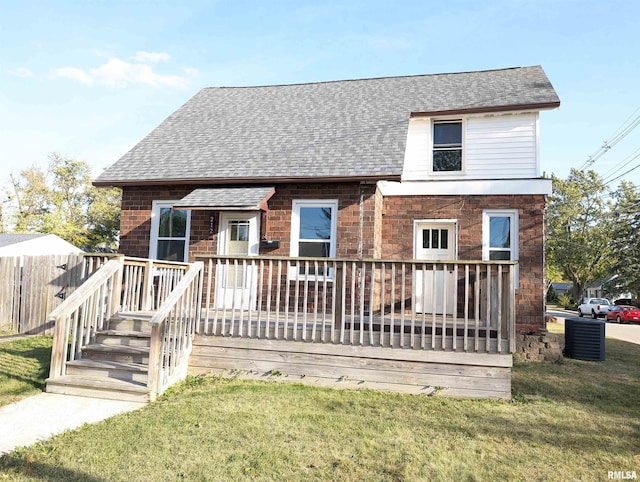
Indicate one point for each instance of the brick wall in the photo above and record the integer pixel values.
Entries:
(355, 238)
(351, 241)
(383, 230)
(397, 238)
(135, 221)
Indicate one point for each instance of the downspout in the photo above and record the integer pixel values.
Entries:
(361, 232)
(544, 264)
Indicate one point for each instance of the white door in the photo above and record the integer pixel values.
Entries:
(434, 241)
(236, 282)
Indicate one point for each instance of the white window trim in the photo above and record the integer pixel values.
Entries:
(463, 166)
(487, 214)
(295, 236)
(155, 226)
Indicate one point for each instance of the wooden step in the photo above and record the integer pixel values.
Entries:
(123, 338)
(131, 322)
(116, 353)
(135, 372)
(95, 387)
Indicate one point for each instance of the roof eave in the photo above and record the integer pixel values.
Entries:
(237, 180)
(480, 110)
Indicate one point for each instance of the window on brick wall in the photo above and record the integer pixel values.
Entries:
(500, 235)
(169, 238)
(313, 232)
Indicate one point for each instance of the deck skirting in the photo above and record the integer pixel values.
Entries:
(430, 372)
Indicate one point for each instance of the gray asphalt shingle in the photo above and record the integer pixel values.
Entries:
(353, 128)
(226, 197)
(9, 239)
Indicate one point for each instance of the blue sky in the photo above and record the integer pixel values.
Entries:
(89, 79)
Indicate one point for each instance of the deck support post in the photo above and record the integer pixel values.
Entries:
(155, 349)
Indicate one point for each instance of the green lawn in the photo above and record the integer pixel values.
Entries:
(570, 421)
(24, 365)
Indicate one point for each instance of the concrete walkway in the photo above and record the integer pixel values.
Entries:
(40, 417)
(44, 415)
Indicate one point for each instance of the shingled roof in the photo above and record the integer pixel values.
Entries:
(10, 239)
(326, 130)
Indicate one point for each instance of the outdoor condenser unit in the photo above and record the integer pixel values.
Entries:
(584, 339)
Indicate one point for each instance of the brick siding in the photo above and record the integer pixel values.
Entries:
(382, 229)
(397, 238)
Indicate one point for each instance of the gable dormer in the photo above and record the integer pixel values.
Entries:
(472, 146)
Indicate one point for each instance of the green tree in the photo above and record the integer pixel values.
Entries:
(103, 216)
(62, 201)
(625, 239)
(578, 241)
(29, 194)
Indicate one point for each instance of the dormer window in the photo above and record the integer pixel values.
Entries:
(447, 145)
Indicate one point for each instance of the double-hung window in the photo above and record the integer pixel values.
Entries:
(500, 235)
(447, 145)
(313, 231)
(169, 232)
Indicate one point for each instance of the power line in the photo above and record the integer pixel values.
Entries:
(626, 172)
(622, 131)
(626, 161)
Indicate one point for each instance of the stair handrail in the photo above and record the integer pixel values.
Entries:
(100, 297)
(183, 319)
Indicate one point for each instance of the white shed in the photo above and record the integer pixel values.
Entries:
(34, 244)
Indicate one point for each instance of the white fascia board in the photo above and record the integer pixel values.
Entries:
(489, 187)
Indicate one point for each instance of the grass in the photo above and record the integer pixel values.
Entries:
(24, 365)
(570, 421)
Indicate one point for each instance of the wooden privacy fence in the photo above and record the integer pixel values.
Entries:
(33, 286)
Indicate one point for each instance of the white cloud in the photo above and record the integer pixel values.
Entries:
(102, 52)
(190, 71)
(72, 73)
(118, 73)
(22, 72)
(151, 57)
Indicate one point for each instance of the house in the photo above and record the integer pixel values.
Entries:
(34, 244)
(389, 161)
(351, 191)
(609, 287)
(561, 288)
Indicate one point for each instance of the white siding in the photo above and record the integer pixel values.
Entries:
(494, 147)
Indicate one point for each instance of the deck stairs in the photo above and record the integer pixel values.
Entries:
(115, 366)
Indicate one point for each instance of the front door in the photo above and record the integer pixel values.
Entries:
(434, 241)
(236, 282)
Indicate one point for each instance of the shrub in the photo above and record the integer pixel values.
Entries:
(566, 302)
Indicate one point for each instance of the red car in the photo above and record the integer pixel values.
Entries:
(623, 314)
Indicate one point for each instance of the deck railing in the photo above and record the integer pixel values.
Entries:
(172, 329)
(82, 314)
(464, 306)
(115, 283)
(147, 283)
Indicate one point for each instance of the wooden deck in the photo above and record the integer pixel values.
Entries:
(417, 332)
(405, 370)
(401, 351)
(364, 327)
